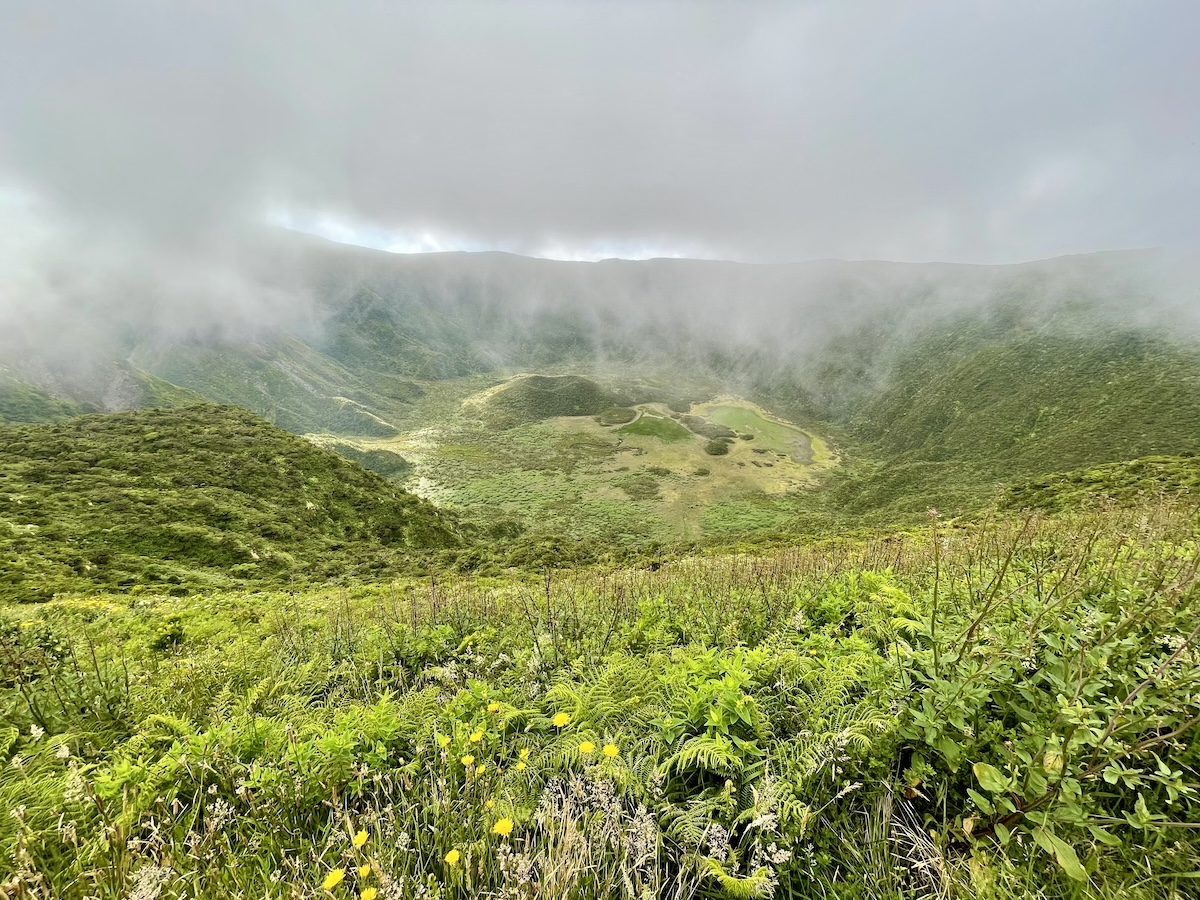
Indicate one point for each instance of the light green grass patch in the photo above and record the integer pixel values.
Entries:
(661, 427)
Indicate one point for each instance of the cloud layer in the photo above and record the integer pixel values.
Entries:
(985, 132)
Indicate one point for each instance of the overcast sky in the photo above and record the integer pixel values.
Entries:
(966, 131)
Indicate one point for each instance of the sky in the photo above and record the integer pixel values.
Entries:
(147, 136)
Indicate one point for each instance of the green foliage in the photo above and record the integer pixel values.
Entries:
(193, 496)
(640, 487)
(667, 430)
(1000, 710)
(617, 415)
(532, 398)
(21, 402)
(716, 448)
(1126, 482)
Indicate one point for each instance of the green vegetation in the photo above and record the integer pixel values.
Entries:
(716, 448)
(193, 497)
(617, 415)
(650, 425)
(963, 414)
(995, 710)
(390, 465)
(640, 487)
(531, 398)
(1126, 483)
(21, 402)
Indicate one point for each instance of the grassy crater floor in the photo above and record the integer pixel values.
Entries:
(633, 473)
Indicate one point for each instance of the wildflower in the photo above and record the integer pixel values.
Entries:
(489, 804)
(368, 893)
(587, 747)
(364, 871)
(36, 732)
(611, 751)
(453, 857)
(561, 720)
(63, 752)
(493, 707)
(468, 760)
(503, 827)
(360, 839)
(476, 737)
(443, 741)
(524, 754)
(520, 767)
(479, 769)
(333, 879)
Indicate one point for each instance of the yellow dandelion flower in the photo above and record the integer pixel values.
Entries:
(503, 827)
(453, 857)
(364, 871)
(520, 767)
(489, 804)
(333, 879)
(493, 707)
(468, 759)
(443, 741)
(561, 720)
(476, 737)
(611, 751)
(368, 894)
(481, 768)
(587, 747)
(524, 754)
(360, 839)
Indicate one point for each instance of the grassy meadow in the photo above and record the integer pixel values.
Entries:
(1002, 707)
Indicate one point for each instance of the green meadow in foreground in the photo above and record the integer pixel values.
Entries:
(999, 708)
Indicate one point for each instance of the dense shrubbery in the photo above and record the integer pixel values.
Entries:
(203, 495)
(985, 711)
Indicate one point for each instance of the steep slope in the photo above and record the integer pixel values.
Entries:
(962, 415)
(200, 495)
(287, 382)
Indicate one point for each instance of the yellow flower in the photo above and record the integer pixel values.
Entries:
(476, 737)
(524, 754)
(364, 871)
(443, 741)
(493, 707)
(368, 893)
(587, 747)
(453, 857)
(360, 839)
(333, 879)
(479, 769)
(468, 759)
(561, 720)
(503, 828)
(611, 751)
(520, 767)
(489, 804)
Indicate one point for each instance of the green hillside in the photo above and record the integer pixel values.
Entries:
(960, 416)
(195, 496)
(20, 402)
(288, 383)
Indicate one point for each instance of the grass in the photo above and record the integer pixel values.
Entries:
(194, 497)
(660, 427)
(886, 717)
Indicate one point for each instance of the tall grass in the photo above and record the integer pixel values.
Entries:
(809, 722)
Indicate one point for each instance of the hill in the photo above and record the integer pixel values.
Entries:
(190, 497)
(964, 414)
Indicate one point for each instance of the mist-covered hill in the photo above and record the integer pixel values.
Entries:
(935, 378)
